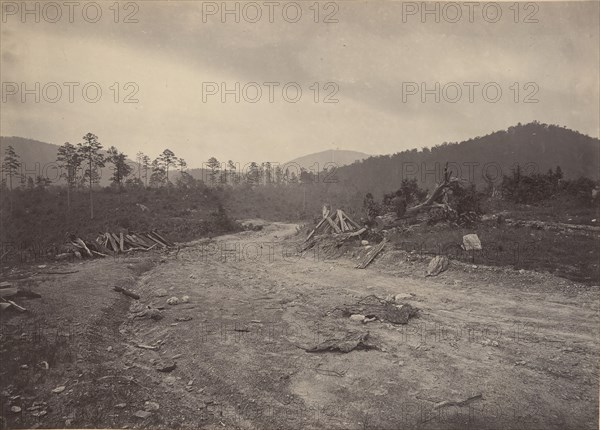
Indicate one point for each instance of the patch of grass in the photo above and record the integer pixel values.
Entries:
(569, 255)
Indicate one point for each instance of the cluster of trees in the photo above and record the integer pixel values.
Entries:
(80, 167)
(231, 173)
(537, 187)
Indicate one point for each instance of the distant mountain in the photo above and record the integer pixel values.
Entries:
(535, 147)
(340, 157)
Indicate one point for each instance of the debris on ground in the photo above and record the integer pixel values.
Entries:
(161, 292)
(166, 367)
(459, 403)
(381, 309)
(371, 255)
(59, 389)
(173, 301)
(437, 265)
(185, 299)
(108, 244)
(340, 223)
(127, 292)
(151, 406)
(348, 343)
(142, 414)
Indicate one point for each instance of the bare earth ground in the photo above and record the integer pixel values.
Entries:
(527, 342)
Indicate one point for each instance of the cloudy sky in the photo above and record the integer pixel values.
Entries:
(374, 61)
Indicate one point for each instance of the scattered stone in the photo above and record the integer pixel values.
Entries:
(437, 265)
(173, 301)
(59, 389)
(364, 242)
(15, 409)
(471, 242)
(357, 317)
(161, 292)
(151, 406)
(154, 314)
(109, 349)
(185, 299)
(142, 414)
(166, 367)
(402, 296)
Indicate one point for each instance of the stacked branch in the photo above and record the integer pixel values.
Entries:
(341, 223)
(107, 244)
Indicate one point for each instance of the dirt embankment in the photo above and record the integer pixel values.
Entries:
(233, 353)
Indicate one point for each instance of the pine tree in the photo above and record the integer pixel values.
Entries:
(89, 152)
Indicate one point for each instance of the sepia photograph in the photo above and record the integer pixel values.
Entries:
(310, 214)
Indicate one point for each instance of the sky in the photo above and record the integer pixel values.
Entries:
(145, 76)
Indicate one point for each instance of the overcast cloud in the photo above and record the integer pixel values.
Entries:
(367, 54)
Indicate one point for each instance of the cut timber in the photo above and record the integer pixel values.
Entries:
(19, 308)
(5, 284)
(333, 225)
(141, 240)
(371, 255)
(157, 239)
(127, 292)
(312, 233)
(358, 232)
(352, 221)
(167, 242)
(112, 242)
(121, 242)
(100, 254)
(83, 246)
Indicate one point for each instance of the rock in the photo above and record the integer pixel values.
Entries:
(357, 317)
(109, 349)
(59, 389)
(151, 406)
(78, 255)
(471, 242)
(24, 366)
(173, 301)
(121, 405)
(166, 366)
(402, 296)
(154, 314)
(437, 265)
(15, 409)
(364, 242)
(522, 271)
(142, 414)
(368, 247)
(185, 299)
(161, 292)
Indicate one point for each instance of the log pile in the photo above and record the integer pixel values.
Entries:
(108, 244)
(340, 223)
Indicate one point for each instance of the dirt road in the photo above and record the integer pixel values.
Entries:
(526, 342)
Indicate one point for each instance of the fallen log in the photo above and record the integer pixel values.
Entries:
(126, 292)
(371, 255)
(167, 242)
